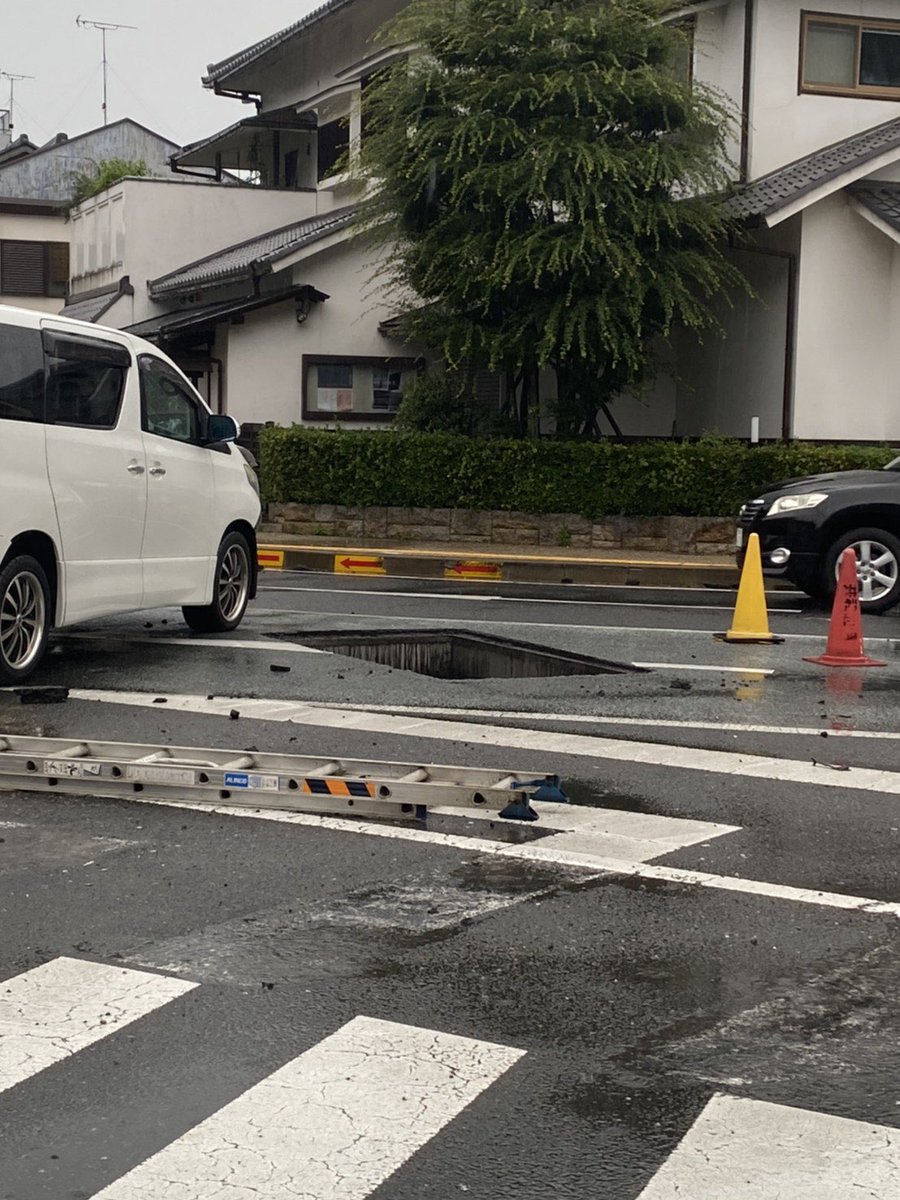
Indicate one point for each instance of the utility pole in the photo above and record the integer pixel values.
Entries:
(13, 80)
(105, 27)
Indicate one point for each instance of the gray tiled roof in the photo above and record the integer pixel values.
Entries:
(89, 306)
(90, 310)
(256, 256)
(765, 196)
(218, 71)
(882, 199)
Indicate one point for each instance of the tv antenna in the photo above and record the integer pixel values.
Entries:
(13, 80)
(105, 27)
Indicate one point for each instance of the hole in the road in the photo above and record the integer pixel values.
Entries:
(453, 654)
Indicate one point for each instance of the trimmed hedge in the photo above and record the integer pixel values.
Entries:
(711, 477)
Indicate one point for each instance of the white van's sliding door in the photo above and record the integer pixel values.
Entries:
(98, 474)
(25, 502)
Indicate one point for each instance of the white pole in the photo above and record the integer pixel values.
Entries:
(754, 431)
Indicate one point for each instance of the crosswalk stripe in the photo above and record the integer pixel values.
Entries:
(337, 1121)
(51, 1012)
(657, 754)
(752, 1150)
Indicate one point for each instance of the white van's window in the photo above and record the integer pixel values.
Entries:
(21, 374)
(85, 380)
(167, 407)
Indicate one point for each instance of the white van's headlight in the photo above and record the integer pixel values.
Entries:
(786, 504)
(252, 477)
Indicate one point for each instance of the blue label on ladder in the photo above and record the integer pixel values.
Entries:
(236, 779)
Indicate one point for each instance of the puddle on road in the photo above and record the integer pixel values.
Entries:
(587, 794)
(649, 1106)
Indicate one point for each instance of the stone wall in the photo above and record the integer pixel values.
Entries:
(676, 535)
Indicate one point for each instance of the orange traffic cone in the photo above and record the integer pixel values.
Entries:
(845, 639)
(750, 622)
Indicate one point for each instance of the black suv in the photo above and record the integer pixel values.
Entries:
(805, 524)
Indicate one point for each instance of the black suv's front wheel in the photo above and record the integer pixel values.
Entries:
(877, 567)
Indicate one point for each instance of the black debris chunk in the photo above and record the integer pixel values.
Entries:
(42, 695)
(278, 668)
(233, 715)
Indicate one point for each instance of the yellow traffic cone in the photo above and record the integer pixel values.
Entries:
(750, 622)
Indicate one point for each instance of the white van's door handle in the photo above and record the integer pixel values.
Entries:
(135, 468)
(157, 470)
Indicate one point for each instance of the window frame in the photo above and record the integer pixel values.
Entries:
(38, 376)
(62, 346)
(861, 25)
(308, 361)
(50, 288)
(190, 392)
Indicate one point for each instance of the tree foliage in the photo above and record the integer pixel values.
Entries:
(544, 170)
(93, 180)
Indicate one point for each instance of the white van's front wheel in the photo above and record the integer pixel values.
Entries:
(24, 617)
(232, 589)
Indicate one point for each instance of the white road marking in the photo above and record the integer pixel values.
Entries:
(67, 1004)
(641, 722)
(409, 622)
(354, 592)
(752, 1150)
(592, 866)
(272, 646)
(658, 754)
(336, 1122)
(729, 670)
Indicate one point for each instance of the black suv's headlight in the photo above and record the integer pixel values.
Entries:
(789, 504)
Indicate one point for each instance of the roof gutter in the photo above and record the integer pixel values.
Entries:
(747, 86)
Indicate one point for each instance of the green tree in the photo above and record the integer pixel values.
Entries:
(544, 171)
(96, 178)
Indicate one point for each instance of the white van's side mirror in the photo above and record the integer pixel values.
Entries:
(222, 429)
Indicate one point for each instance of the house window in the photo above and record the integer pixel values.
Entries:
(333, 146)
(850, 56)
(354, 389)
(34, 268)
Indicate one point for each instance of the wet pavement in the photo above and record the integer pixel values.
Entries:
(645, 989)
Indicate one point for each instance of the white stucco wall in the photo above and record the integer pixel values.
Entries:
(718, 62)
(784, 124)
(25, 227)
(723, 381)
(265, 353)
(144, 228)
(848, 352)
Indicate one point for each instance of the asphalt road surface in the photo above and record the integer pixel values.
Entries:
(684, 984)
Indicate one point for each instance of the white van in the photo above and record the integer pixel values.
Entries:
(119, 489)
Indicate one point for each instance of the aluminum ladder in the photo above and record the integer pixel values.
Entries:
(292, 782)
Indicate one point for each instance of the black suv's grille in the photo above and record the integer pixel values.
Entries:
(749, 512)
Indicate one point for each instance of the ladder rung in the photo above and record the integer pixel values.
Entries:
(329, 768)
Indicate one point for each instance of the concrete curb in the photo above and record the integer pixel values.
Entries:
(494, 568)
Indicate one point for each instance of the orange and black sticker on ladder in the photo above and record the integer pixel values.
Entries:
(338, 787)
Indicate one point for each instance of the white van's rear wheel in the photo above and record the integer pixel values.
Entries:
(232, 589)
(24, 617)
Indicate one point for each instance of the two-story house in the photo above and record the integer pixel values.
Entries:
(36, 186)
(259, 290)
(293, 316)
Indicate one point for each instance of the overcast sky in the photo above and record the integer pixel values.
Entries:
(154, 70)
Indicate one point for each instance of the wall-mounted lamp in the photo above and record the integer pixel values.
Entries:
(303, 308)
